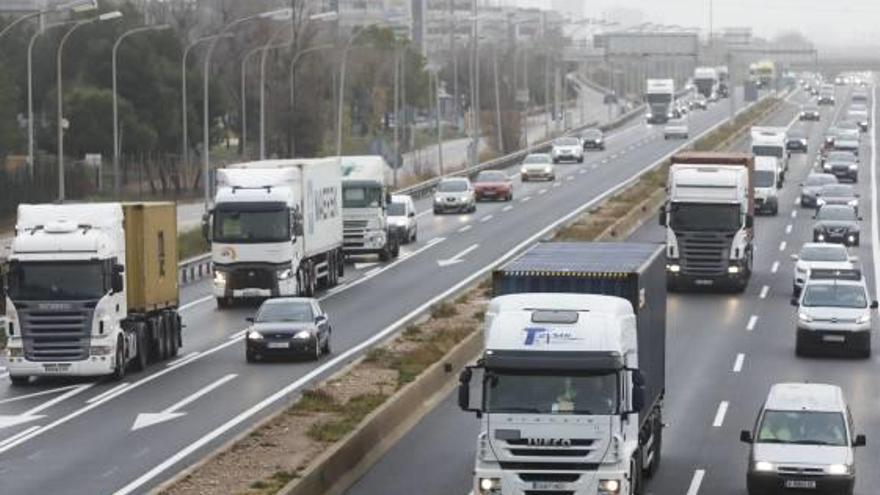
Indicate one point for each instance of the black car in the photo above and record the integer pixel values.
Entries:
(812, 185)
(593, 139)
(837, 223)
(288, 326)
(842, 164)
(809, 112)
(796, 141)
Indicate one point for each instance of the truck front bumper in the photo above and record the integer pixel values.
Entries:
(524, 482)
(735, 276)
(254, 281)
(364, 242)
(93, 366)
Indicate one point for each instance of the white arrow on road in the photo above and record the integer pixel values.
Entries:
(144, 420)
(31, 414)
(458, 257)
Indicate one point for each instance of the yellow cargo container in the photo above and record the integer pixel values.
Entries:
(151, 256)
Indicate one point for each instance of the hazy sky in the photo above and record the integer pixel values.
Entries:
(837, 22)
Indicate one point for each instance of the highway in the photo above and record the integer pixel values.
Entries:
(54, 424)
(723, 353)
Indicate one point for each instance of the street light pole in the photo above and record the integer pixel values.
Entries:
(183, 92)
(75, 6)
(341, 100)
(500, 133)
(116, 177)
(243, 116)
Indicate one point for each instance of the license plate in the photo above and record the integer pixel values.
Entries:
(703, 282)
(547, 485)
(834, 338)
(251, 292)
(56, 367)
(279, 345)
(808, 484)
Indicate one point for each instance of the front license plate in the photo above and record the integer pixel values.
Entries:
(547, 485)
(251, 292)
(56, 367)
(279, 345)
(834, 338)
(802, 484)
(703, 282)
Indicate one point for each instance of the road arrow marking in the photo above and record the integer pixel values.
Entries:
(458, 257)
(144, 420)
(31, 414)
(37, 394)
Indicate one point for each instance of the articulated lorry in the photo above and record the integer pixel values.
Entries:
(659, 96)
(91, 289)
(706, 82)
(709, 217)
(763, 74)
(366, 192)
(276, 229)
(573, 373)
(770, 141)
(723, 81)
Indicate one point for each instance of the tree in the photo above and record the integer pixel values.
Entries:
(9, 129)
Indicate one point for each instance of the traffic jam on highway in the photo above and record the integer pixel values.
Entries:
(760, 260)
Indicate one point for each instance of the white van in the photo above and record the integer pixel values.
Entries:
(402, 218)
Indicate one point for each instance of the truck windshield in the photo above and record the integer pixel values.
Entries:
(251, 226)
(361, 196)
(775, 151)
(551, 393)
(658, 98)
(700, 217)
(803, 428)
(765, 178)
(54, 281)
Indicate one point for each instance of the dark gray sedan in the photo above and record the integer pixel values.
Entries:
(288, 326)
(838, 224)
(810, 188)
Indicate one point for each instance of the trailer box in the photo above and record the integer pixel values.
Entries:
(151, 256)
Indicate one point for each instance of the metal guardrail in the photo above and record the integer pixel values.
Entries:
(196, 268)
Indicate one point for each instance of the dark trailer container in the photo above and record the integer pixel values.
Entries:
(633, 271)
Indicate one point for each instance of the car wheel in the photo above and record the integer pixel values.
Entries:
(317, 355)
(436, 211)
(250, 357)
(20, 380)
(799, 348)
(326, 349)
(415, 234)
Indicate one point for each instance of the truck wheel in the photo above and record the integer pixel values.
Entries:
(20, 380)
(331, 271)
(656, 449)
(173, 335)
(119, 371)
(161, 340)
(340, 265)
(635, 468)
(385, 254)
(142, 359)
(311, 280)
(395, 244)
(223, 302)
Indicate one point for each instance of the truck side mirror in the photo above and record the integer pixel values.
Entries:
(794, 301)
(638, 398)
(117, 282)
(860, 441)
(297, 224)
(206, 227)
(874, 304)
(745, 436)
(750, 221)
(464, 391)
(662, 218)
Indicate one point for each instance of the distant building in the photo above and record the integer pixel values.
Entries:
(737, 36)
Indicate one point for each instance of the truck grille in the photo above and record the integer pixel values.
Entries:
(56, 332)
(704, 254)
(354, 224)
(580, 448)
(251, 278)
(354, 233)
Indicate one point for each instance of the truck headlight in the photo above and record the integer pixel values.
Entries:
(285, 274)
(805, 317)
(523, 171)
(838, 469)
(820, 237)
(252, 335)
(764, 466)
(820, 202)
(852, 202)
(15, 352)
(609, 487)
(303, 335)
(826, 166)
(219, 278)
(733, 269)
(100, 350)
(674, 268)
(490, 486)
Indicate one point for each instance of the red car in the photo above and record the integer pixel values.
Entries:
(493, 184)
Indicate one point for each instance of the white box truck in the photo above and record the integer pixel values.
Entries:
(276, 229)
(709, 217)
(659, 96)
(366, 192)
(706, 82)
(770, 141)
(91, 289)
(573, 371)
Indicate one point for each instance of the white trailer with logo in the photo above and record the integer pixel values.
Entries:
(276, 229)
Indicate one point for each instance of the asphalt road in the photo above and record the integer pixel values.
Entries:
(77, 437)
(715, 356)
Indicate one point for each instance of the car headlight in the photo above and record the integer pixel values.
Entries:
(826, 166)
(668, 115)
(838, 469)
(804, 142)
(609, 487)
(303, 335)
(852, 202)
(853, 166)
(820, 237)
(865, 318)
(764, 466)
(219, 277)
(285, 274)
(254, 335)
(805, 317)
(650, 115)
(820, 201)
(548, 169)
(800, 269)
(489, 486)
(523, 171)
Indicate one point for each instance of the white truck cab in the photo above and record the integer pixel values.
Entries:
(770, 141)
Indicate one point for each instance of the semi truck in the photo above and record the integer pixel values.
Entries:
(91, 289)
(763, 74)
(706, 82)
(770, 141)
(366, 192)
(573, 372)
(659, 96)
(723, 81)
(276, 229)
(709, 218)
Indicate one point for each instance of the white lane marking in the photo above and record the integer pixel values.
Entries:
(4, 375)
(543, 191)
(382, 334)
(19, 435)
(423, 213)
(583, 170)
(465, 228)
(112, 391)
(507, 208)
(372, 272)
(31, 414)
(237, 335)
(696, 481)
(875, 231)
(190, 304)
(764, 291)
(788, 229)
(486, 219)
(525, 199)
(752, 321)
(775, 267)
(719, 415)
(738, 364)
(183, 358)
(144, 420)
(793, 213)
(557, 184)
(458, 257)
(782, 246)
(37, 394)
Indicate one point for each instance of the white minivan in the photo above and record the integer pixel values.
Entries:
(402, 218)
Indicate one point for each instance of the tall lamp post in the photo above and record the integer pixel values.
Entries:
(59, 62)
(341, 99)
(116, 177)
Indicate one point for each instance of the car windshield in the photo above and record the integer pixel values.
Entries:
(566, 142)
(811, 109)
(837, 213)
(243, 225)
(541, 159)
(765, 178)
(551, 393)
(803, 428)
(298, 311)
(775, 151)
(592, 135)
(56, 281)
(838, 190)
(831, 252)
(820, 180)
(396, 209)
(491, 176)
(452, 186)
(847, 125)
(834, 295)
(796, 134)
(696, 217)
(841, 156)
